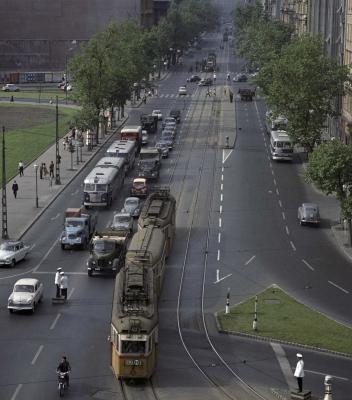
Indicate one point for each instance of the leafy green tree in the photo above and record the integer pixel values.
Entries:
(301, 84)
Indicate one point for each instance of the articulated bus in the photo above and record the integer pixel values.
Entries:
(281, 146)
(104, 182)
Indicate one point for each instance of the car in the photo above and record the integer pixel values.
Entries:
(145, 137)
(122, 221)
(308, 213)
(168, 132)
(169, 140)
(12, 251)
(67, 87)
(168, 120)
(163, 147)
(194, 78)
(240, 78)
(182, 91)
(139, 187)
(158, 114)
(170, 125)
(132, 206)
(10, 87)
(174, 113)
(205, 82)
(26, 294)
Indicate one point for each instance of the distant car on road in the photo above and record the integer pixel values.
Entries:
(194, 78)
(205, 82)
(122, 221)
(182, 91)
(139, 187)
(132, 206)
(168, 120)
(163, 147)
(174, 113)
(308, 213)
(10, 87)
(26, 294)
(158, 114)
(240, 78)
(12, 251)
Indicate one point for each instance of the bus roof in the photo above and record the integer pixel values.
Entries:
(280, 135)
(102, 175)
(121, 146)
(107, 162)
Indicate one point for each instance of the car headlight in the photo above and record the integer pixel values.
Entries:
(29, 301)
(10, 302)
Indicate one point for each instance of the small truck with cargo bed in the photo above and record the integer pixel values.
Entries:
(78, 228)
(149, 163)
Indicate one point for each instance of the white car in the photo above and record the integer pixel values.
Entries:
(10, 87)
(26, 294)
(123, 221)
(157, 113)
(182, 91)
(132, 206)
(12, 251)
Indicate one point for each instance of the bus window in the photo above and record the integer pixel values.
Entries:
(132, 346)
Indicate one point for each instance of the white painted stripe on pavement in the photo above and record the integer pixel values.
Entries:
(54, 272)
(250, 260)
(222, 187)
(221, 279)
(287, 231)
(218, 257)
(41, 347)
(284, 364)
(308, 265)
(275, 182)
(56, 216)
(220, 209)
(71, 293)
(52, 326)
(219, 222)
(45, 256)
(338, 287)
(326, 373)
(221, 197)
(219, 237)
(283, 216)
(17, 390)
(293, 246)
(277, 192)
(280, 203)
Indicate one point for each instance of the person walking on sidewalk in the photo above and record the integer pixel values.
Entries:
(20, 168)
(41, 171)
(51, 169)
(45, 171)
(63, 284)
(57, 281)
(15, 189)
(299, 372)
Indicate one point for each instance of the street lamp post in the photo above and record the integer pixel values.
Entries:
(57, 150)
(36, 185)
(4, 198)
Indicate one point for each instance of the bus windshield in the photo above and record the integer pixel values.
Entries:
(132, 346)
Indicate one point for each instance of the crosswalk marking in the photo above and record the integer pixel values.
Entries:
(165, 95)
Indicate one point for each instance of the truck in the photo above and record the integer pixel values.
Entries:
(149, 163)
(79, 227)
(149, 123)
(246, 94)
(132, 132)
(210, 65)
(107, 251)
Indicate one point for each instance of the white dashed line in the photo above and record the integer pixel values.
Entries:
(222, 187)
(41, 347)
(219, 237)
(272, 173)
(308, 265)
(219, 222)
(56, 216)
(218, 257)
(222, 169)
(222, 177)
(221, 197)
(52, 326)
(326, 373)
(283, 216)
(277, 192)
(18, 388)
(338, 287)
(275, 182)
(280, 203)
(221, 279)
(287, 231)
(71, 293)
(220, 209)
(45, 256)
(75, 192)
(293, 246)
(250, 260)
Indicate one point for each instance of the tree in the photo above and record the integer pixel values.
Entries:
(301, 84)
(330, 169)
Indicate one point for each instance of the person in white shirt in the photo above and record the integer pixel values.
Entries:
(63, 284)
(299, 372)
(57, 281)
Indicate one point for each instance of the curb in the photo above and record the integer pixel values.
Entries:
(63, 187)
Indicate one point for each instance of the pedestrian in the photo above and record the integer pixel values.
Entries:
(144, 99)
(299, 372)
(214, 77)
(65, 142)
(45, 171)
(41, 171)
(12, 99)
(57, 281)
(20, 168)
(63, 284)
(51, 169)
(59, 159)
(15, 189)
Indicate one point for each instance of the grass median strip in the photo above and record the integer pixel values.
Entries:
(282, 317)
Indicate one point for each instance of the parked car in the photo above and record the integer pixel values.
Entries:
(26, 294)
(240, 77)
(205, 82)
(10, 87)
(122, 221)
(182, 91)
(163, 147)
(174, 113)
(12, 251)
(194, 78)
(139, 187)
(145, 137)
(132, 206)
(158, 114)
(168, 120)
(308, 213)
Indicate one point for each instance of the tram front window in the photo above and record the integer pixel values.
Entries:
(136, 347)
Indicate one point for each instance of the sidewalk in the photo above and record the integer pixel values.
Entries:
(22, 212)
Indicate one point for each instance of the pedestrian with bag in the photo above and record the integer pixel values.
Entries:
(15, 189)
(299, 372)
(57, 281)
(63, 284)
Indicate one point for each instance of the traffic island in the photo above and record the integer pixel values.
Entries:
(275, 316)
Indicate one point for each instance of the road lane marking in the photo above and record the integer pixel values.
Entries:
(219, 222)
(41, 347)
(222, 177)
(52, 326)
(250, 260)
(220, 209)
(221, 279)
(54, 272)
(283, 216)
(225, 156)
(293, 246)
(18, 388)
(46, 255)
(280, 203)
(71, 293)
(275, 182)
(221, 197)
(287, 231)
(338, 287)
(284, 364)
(222, 187)
(308, 265)
(277, 192)
(54, 218)
(326, 373)
(219, 237)
(32, 247)
(222, 169)
(218, 257)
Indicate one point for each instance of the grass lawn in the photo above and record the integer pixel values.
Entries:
(33, 93)
(281, 317)
(29, 131)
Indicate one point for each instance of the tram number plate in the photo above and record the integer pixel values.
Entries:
(134, 362)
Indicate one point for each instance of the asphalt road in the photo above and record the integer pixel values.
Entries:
(250, 242)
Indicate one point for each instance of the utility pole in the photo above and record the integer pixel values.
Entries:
(57, 151)
(4, 198)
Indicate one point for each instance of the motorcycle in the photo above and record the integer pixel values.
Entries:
(61, 382)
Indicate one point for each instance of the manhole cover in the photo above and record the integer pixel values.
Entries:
(272, 301)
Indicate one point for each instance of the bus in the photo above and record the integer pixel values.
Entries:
(104, 182)
(281, 146)
(124, 149)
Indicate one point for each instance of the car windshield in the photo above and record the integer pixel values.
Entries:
(131, 202)
(104, 246)
(121, 219)
(24, 289)
(73, 223)
(7, 247)
(310, 210)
